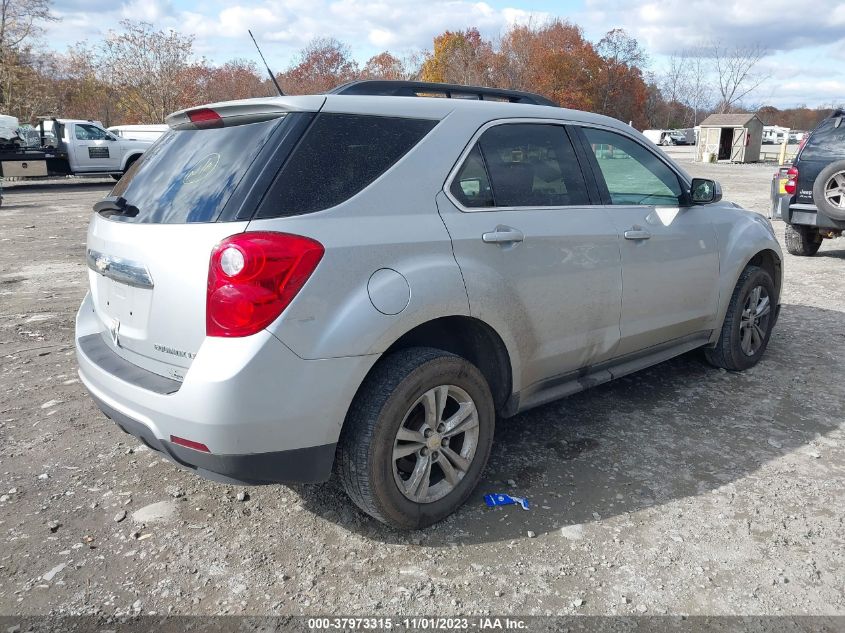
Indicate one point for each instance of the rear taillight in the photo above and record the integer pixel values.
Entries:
(205, 118)
(252, 277)
(791, 184)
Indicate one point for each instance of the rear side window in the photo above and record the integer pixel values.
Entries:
(472, 186)
(189, 175)
(527, 165)
(827, 141)
(340, 155)
(633, 174)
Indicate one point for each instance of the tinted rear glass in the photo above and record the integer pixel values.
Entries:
(338, 157)
(827, 141)
(189, 175)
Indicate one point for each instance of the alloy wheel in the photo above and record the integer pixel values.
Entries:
(754, 322)
(834, 190)
(435, 444)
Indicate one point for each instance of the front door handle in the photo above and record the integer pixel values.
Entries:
(636, 233)
(503, 235)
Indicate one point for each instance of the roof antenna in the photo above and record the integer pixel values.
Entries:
(270, 72)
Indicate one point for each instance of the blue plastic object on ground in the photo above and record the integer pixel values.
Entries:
(500, 499)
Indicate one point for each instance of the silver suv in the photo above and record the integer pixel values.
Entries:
(361, 282)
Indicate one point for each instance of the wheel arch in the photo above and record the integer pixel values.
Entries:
(469, 338)
(770, 261)
(131, 158)
(766, 258)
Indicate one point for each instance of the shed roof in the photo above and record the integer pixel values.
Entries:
(735, 120)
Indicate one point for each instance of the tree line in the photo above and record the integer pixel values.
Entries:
(139, 74)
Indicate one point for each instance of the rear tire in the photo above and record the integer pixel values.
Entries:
(748, 323)
(801, 241)
(399, 464)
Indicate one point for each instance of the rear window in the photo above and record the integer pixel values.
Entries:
(189, 175)
(827, 141)
(338, 157)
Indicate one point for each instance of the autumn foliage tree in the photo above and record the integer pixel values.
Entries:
(22, 68)
(79, 92)
(139, 74)
(235, 79)
(323, 64)
(386, 66)
(147, 68)
(460, 57)
(622, 92)
(552, 59)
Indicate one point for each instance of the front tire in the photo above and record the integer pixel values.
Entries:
(748, 323)
(801, 241)
(416, 438)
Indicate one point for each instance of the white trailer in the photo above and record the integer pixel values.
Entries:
(138, 132)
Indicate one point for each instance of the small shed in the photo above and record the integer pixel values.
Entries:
(730, 137)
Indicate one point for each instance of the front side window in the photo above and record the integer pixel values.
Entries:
(633, 174)
(521, 165)
(89, 133)
(339, 156)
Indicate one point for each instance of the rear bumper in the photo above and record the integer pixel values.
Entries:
(809, 215)
(265, 414)
(307, 465)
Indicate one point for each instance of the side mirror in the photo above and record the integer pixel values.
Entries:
(705, 191)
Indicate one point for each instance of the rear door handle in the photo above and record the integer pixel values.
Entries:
(503, 235)
(636, 233)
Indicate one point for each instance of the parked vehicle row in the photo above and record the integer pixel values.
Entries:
(60, 147)
(139, 132)
(670, 137)
(361, 282)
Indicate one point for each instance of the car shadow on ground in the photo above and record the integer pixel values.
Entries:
(10, 188)
(837, 254)
(677, 430)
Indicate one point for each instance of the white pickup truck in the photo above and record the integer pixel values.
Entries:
(64, 147)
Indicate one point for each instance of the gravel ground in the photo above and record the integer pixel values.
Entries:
(682, 489)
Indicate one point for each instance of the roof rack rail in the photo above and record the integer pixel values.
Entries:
(392, 88)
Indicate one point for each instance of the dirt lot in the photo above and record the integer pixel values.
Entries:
(682, 489)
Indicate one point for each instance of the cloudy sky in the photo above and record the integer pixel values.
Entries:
(805, 38)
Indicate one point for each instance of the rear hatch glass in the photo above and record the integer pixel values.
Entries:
(179, 188)
(188, 176)
(827, 142)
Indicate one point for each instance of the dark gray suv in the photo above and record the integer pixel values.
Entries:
(815, 187)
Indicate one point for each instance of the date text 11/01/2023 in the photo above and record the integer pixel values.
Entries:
(486, 623)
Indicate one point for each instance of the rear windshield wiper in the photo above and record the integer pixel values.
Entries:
(115, 205)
